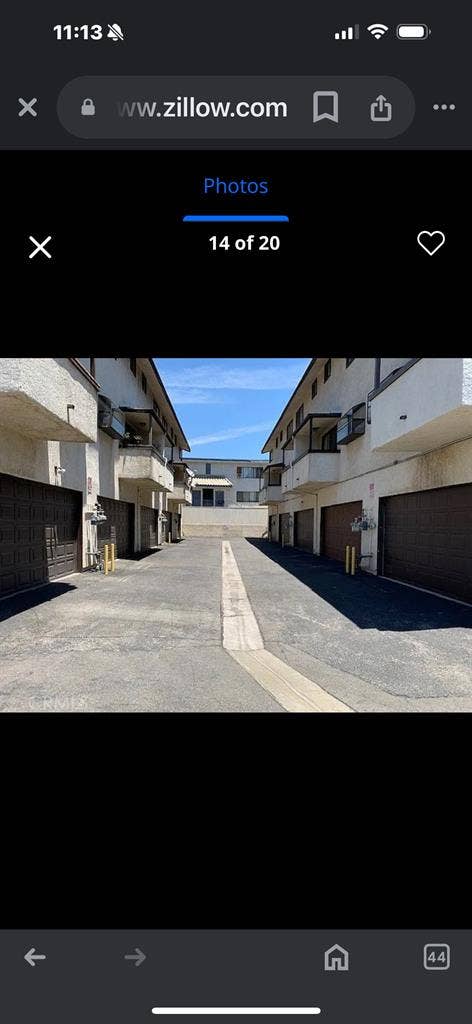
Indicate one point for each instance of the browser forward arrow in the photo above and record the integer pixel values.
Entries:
(138, 956)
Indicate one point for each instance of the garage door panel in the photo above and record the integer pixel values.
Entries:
(336, 530)
(119, 527)
(39, 532)
(304, 529)
(437, 552)
(149, 527)
(284, 526)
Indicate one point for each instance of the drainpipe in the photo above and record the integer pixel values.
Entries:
(377, 373)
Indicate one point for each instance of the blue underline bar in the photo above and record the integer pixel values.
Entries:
(235, 218)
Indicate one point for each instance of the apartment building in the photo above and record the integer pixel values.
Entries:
(76, 432)
(226, 498)
(226, 483)
(377, 453)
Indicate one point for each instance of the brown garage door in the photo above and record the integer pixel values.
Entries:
(284, 527)
(336, 529)
(426, 538)
(148, 527)
(39, 532)
(119, 527)
(304, 521)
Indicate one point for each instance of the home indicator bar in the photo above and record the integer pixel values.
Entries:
(235, 1011)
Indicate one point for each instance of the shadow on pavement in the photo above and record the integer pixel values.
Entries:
(371, 602)
(22, 602)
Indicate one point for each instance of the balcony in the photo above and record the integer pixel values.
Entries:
(273, 492)
(310, 472)
(48, 399)
(143, 464)
(181, 492)
(427, 406)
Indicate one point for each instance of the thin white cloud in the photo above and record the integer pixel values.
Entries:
(196, 396)
(277, 375)
(228, 434)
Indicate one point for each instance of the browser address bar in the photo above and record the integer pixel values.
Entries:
(236, 107)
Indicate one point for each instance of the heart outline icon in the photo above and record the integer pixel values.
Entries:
(431, 235)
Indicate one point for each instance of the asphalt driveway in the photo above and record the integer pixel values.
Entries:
(373, 643)
(149, 637)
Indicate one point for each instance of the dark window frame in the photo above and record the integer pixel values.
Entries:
(207, 468)
(144, 383)
(132, 365)
(314, 388)
(252, 499)
(327, 370)
(349, 360)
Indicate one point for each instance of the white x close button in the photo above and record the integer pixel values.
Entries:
(40, 247)
(27, 107)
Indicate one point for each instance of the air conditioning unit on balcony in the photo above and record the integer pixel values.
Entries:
(110, 419)
(351, 425)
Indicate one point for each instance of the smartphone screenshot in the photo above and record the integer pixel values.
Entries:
(235, 579)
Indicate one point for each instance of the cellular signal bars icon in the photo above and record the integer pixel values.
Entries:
(348, 33)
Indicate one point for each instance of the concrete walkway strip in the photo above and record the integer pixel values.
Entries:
(243, 641)
(292, 690)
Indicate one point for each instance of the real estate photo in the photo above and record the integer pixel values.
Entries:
(245, 535)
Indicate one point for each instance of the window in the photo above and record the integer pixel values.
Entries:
(329, 440)
(349, 360)
(289, 430)
(132, 365)
(281, 436)
(314, 388)
(155, 407)
(208, 469)
(143, 383)
(196, 497)
(299, 416)
(219, 498)
(247, 496)
(276, 443)
(249, 472)
(207, 497)
(327, 369)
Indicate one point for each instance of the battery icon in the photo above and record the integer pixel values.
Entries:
(412, 31)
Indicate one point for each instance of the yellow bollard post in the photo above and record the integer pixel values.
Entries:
(353, 560)
(112, 557)
(347, 557)
(106, 559)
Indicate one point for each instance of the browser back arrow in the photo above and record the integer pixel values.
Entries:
(31, 956)
(138, 956)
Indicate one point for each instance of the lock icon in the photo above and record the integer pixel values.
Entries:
(88, 108)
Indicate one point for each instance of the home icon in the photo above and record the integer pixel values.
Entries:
(336, 959)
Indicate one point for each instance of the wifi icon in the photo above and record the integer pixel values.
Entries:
(377, 30)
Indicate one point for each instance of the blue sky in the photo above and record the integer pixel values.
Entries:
(227, 407)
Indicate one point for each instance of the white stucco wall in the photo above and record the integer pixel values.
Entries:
(47, 398)
(434, 396)
(220, 522)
